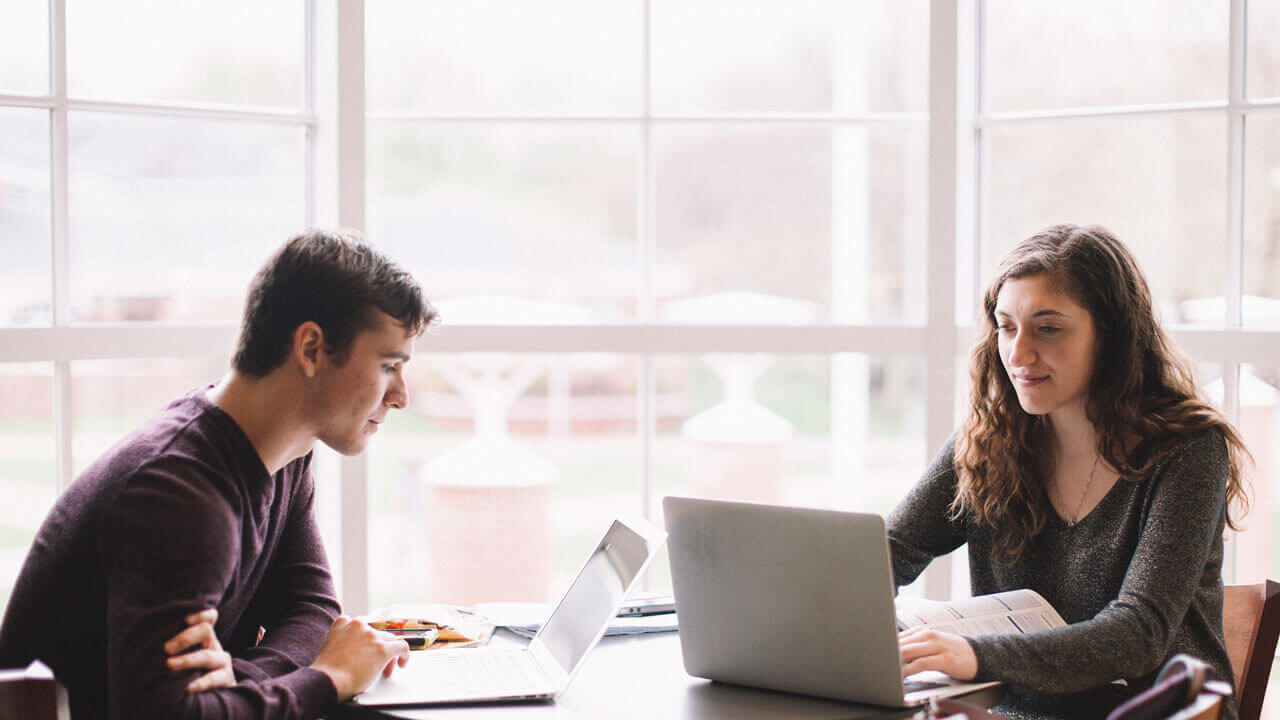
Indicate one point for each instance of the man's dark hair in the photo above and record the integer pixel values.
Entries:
(333, 278)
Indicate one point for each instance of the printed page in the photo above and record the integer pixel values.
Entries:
(1015, 611)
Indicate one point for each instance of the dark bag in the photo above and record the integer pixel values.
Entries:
(1184, 689)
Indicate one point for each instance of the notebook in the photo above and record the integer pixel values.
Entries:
(543, 669)
(792, 599)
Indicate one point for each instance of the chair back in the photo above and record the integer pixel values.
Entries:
(1250, 626)
(32, 693)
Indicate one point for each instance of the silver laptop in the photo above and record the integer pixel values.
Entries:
(543, 669)
(790, 599)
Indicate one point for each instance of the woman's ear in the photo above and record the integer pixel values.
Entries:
(308, 344)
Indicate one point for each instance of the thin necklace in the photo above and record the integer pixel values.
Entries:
(1075, 516)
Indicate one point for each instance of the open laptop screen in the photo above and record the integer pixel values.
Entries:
(595, 595)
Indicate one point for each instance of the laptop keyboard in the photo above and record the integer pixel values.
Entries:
(492, 670)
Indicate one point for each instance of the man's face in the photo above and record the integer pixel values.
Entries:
(353, 398)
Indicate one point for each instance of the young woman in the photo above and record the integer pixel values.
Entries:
(1087, 469)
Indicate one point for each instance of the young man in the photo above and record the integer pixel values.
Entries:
(195, 533)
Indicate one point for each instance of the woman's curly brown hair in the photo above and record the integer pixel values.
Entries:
(1141, 386)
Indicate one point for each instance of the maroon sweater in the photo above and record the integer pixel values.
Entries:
(179, 516)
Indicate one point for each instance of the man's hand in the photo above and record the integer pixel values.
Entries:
(925, 649)
(209, 655)
(354, 654)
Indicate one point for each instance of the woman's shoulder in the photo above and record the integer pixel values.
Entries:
(1210, 441)
(1198, 456)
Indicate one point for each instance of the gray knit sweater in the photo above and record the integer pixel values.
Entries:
(1138, 579)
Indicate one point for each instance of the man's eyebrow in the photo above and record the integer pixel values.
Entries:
(397, 355)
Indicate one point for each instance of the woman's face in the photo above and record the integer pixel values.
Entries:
(1046, 343)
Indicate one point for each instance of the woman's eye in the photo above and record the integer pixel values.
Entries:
(1050, 330)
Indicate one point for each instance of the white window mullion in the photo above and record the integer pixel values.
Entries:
(944, 139)
(312, 142)
(645, 247)
(60, 223)
(1233, 292)
(351, 213)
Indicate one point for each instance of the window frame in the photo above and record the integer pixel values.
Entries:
(334, 118)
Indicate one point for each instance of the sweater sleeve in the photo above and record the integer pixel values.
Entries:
(920, 528)
(1132, 634)
(169, 543)
(297, 602)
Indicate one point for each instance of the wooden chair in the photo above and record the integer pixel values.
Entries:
(32, 693)
(1250, 625)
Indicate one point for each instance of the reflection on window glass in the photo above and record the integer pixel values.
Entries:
(821, 223)
(28, 473)
(241, 52)
(552, 56)
(112, 397)
(1262, 73)
(170, 217)
(543, 213)
(1158, 183)
(799, 55)
(24, 47)
(1098, 52)
(497, 479)
(26, 294)
(1261, 306)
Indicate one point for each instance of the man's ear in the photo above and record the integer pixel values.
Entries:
(308, 345)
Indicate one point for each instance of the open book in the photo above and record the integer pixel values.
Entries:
(1014, 611)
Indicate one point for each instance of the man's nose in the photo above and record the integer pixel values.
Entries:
(397, 394)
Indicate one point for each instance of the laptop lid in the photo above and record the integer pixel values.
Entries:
(786, 598)
(592, 600)
(561, 647)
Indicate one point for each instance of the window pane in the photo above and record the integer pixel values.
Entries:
(326, 474)
(534, 212)
(821, 223)
(844, 431)
(28, 471)
(240, 52)
(561, 56)
(1256, 557)
(500, 476)
(112, 397)
(1158, 183)
(24, 47)
(800, 55)
(1263, 71)
(171, 216)
(1098, 52)
(26, 292)
(1262, 221)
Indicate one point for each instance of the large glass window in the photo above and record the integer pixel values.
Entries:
(24, 47)
(236, 52)
(26, 290)
(1157, 182)
(1095, 52)
(680, 206)
(28, 476)
(169, 217)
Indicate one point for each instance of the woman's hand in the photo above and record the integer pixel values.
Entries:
(209, 654)
(925, 649)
